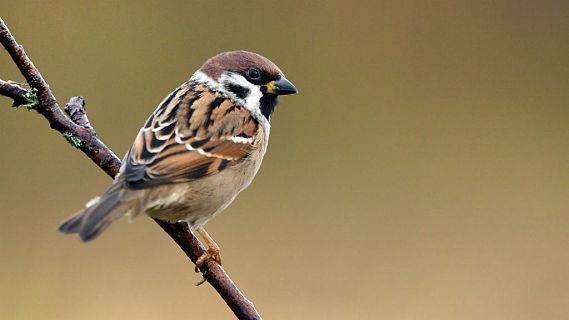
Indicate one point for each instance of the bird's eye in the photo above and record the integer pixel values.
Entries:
(253, 73)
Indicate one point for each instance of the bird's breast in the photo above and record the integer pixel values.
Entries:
(198, 201)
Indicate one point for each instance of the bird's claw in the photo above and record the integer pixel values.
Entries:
(209, 254)
(212, 254)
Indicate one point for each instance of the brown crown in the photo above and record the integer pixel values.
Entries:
(238, 61)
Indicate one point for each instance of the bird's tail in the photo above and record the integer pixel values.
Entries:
(98, 214)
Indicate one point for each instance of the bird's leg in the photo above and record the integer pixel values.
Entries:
(212, 250)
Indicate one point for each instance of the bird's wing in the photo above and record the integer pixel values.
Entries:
(192, 134)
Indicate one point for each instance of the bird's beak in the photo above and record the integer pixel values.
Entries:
(281, 87)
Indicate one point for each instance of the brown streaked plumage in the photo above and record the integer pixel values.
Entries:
(198, 146)
(201, 146)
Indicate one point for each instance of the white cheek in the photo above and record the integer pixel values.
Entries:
(251, 101)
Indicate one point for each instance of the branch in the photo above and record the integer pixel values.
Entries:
(14, 91)
(75, 127)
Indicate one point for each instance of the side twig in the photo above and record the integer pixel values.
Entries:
(75, 109)
(76, 128)
(13, 91)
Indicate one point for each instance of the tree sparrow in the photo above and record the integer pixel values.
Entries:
(197, 151)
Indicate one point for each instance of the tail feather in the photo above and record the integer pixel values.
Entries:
(72, 225)
(97, 216)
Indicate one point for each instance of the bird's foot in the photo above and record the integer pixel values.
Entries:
(212, 254)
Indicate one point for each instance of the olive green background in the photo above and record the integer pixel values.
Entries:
(421, 173)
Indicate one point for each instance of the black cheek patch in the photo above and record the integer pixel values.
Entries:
(239, 91)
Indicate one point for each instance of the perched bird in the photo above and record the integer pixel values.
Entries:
(197, 151)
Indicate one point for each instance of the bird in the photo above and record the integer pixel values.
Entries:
(197, 151)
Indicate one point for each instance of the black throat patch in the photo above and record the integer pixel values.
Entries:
(268, 104)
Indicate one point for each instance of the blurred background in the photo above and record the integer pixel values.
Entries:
(421, 173)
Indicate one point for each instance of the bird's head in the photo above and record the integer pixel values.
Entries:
(249, 78)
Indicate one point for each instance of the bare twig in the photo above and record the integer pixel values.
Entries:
(48, 107)
(13, 91)
(75, 109)
(78, 131)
